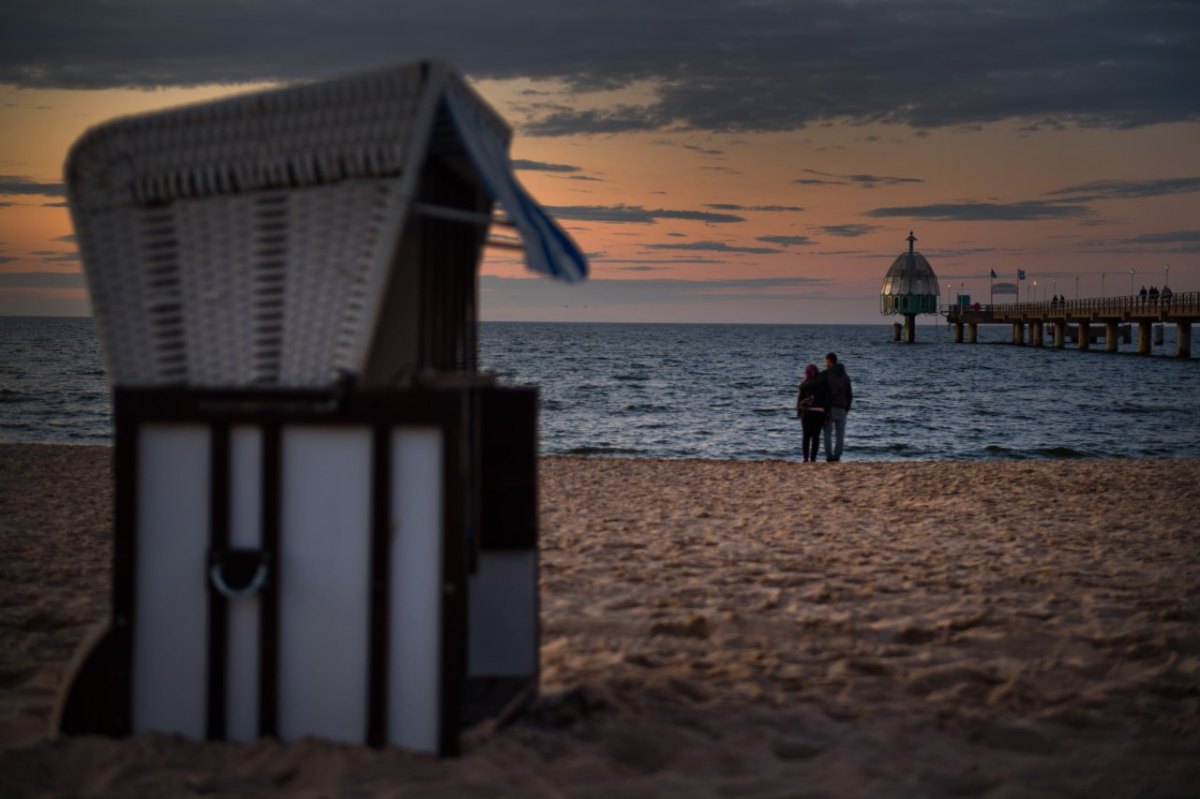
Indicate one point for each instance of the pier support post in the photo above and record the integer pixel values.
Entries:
(1060, 334)
(972, 332)
(958, 332)
(1018, 337)
(896, 331)
(1158, 335)
(1084, 336)
(910, 328)
(1183, 339)
(1110, 336)
(1144, 338)
(1037, 334)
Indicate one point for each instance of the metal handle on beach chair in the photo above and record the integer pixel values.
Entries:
(240, 561)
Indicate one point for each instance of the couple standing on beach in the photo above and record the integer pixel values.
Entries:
(823, 403)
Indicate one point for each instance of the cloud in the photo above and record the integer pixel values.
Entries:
(848, 231)
(51, 257)
(1177, 241)
(70, 237)
(982, 212)
(41, 280)
(689, 260)
(714, 246)
(736, 207)
(635, 213)
(865, 181)
(17, 184)
(542, 166)
(703, 150)
(500, 294)
(787, 241)
(1126, 189)
(622, 119)
(7, 259)
(709, 64)
(1173, 237)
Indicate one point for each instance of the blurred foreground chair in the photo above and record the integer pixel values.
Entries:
(325, 517)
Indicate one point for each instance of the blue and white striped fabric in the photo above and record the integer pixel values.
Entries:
(548, 248)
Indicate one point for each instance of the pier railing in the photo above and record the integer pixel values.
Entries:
(1179, 306)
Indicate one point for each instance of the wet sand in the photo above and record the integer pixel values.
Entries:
(998, 629)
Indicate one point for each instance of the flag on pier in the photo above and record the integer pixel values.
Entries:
(993, 274)
(1020, 274)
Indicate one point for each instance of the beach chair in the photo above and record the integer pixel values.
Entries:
(325, 518)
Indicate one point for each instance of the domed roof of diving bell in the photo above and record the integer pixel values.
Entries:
(910, 285)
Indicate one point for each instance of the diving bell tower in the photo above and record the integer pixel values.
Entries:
(909, 288)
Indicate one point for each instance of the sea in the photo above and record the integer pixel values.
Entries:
(728, 391)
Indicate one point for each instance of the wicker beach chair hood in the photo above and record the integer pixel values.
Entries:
(259, 241)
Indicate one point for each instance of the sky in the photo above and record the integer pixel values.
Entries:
(758, 161)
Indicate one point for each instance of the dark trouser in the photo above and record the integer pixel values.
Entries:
(812, 424)
(836, 422)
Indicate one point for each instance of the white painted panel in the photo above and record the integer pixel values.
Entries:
(414, 680)
(503, 615)
(245, 532)
(324, 574)
(170, 635)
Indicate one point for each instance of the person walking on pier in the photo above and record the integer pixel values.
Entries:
(812, 406)
(841, 395)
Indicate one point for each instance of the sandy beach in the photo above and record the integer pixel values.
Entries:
(765, 629)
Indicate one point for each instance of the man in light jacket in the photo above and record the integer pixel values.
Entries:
(841, 395)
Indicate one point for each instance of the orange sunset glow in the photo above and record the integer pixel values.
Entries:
(755, 174)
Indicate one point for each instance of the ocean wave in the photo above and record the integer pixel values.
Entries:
(1058, 452)
(601, 449)
(1063, 452)
(647, 407)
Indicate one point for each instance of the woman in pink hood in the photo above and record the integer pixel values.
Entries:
(812, 405)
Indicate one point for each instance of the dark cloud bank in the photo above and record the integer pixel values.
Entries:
(724, 66)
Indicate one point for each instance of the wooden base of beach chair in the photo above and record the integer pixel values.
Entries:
(359, 568)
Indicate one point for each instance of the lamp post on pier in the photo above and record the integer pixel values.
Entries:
(1101, 284)
(1166, 275)
(1131, 281)
(1077, 287)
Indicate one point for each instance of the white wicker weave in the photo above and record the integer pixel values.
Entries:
(246, 242)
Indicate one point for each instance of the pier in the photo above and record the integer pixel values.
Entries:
(1031, 320)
